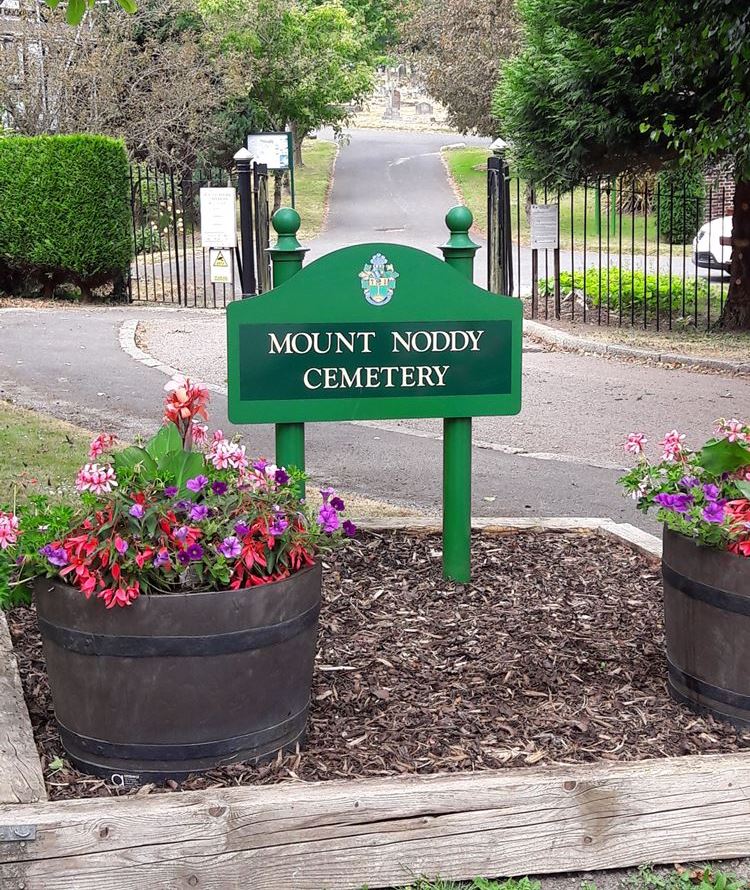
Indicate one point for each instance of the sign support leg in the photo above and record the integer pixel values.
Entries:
(287, 257)
(459, 253)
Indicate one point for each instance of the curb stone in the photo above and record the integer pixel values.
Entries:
(571, 341)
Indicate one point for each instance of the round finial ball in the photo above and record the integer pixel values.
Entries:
(286, 221)
(459, 219)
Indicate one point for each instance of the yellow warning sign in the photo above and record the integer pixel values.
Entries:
(220, 261)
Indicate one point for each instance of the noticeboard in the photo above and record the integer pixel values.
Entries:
(272, 149)
(544, 220)
(218, 212)
(373, 331)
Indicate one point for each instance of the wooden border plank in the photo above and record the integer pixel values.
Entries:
(21, 779)
(341, 835)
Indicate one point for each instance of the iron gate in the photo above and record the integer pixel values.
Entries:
(170, 265)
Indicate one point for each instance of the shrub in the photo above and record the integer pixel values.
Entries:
(64, 210)
(612, 286)
(681, 193)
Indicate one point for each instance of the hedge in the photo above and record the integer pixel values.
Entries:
(682, 194)
(64, 211)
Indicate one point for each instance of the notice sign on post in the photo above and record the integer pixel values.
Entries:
(218, 209)
(374, 331)
(221, 265)
(271, 149)
(544, 227)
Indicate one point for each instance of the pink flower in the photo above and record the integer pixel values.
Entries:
(732, 430)
(8, 530)
(96, 479)
(103, 442)
(672, 445)
(635, 443)
(200, 433)
(224, 455)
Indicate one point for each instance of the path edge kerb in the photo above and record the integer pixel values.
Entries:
(564, 340)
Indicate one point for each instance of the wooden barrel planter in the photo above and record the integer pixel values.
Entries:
(180, 683)
(707, 618)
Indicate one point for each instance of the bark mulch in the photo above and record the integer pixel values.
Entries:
(553, 654)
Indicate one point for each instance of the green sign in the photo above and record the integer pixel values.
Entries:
(373, 331)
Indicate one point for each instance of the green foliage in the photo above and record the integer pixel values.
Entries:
(681, 192)
(64, 208)
(722, 456)
(700, 878)
(615, 287)
(76, 8)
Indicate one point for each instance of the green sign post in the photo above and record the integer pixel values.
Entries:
(375, 332)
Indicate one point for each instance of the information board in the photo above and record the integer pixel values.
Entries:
(373, 331)
(218, 210)
(272, 149)
(544, 219)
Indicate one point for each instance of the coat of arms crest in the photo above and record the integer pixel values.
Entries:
(378, 280)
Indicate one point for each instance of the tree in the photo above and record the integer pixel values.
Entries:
(458, 46)
(607, 86)
(381, 21)
(300, 66)
(115, 75)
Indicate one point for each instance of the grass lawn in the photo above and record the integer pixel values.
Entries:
(468, 167)
(312, 185)
(38, 454)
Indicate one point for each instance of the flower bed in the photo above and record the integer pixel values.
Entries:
(554, 654)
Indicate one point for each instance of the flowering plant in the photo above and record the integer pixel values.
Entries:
(188, 511)
(702, 494)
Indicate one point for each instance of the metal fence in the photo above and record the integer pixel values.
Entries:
(170, 265)
(625, 251)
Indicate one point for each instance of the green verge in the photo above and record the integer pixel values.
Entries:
(313, 185)
(38, 455)
(468, 169)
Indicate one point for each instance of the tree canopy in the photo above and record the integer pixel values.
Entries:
(603, 86)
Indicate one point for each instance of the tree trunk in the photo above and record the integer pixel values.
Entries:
(736, 314)
(297, 138)
(278, 181)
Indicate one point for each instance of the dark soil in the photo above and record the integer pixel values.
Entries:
(554, 654)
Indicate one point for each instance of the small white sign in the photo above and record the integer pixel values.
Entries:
(221, 265)
(544, 225)
(271, 149)
(218, 217)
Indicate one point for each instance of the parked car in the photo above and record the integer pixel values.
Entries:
(710, 256)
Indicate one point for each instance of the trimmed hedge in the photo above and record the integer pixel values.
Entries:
(64, 211)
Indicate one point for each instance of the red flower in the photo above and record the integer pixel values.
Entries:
(120, 596)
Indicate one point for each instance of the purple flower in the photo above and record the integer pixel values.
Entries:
(197, 484)
(170, 491)
(338, 504)
(350, 529)
(678, 503)
(195, 551)
(326, 493)
(183, 557)
(219, 488)
(199, 512)
(688, 482)
(56, 556)
(242, 528)
(121, 546)
(137, 511)
(711, 492)
(281, 476)
(279, 525)
(714, 512)
(183, 505)
(230, 547)
(328, 518)
(161, 559)
(260, 465)
(182, 532)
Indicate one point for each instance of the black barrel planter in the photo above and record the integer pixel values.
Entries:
(180, 683)
(707, 618)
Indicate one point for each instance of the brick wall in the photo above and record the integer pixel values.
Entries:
(719, 190)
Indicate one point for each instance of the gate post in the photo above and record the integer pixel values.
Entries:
(243, 160)
(458, 252)
(287, 257)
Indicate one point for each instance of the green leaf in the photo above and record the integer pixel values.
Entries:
(744, 488)
(723, 456)
(136, 459)
(128, 5)
(76, 9)
(187, 465)
(167, 439)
